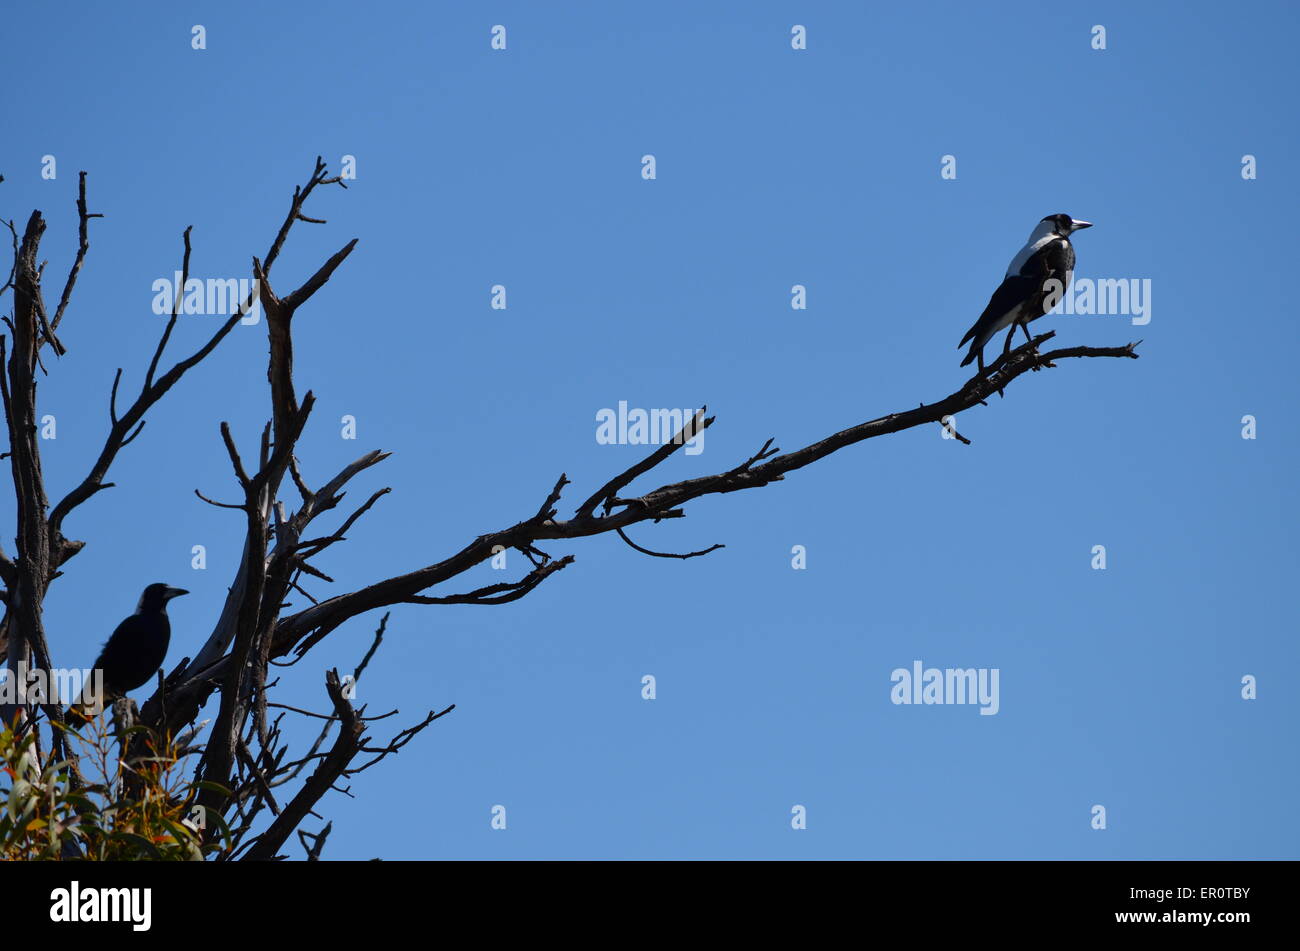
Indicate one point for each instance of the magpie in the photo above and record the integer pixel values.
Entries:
(1020, 297)
(136, 648)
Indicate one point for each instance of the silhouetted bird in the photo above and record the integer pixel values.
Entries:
(136, 648)
(1020, 297)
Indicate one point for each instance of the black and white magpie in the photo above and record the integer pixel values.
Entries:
(1019, 299)
(136, 648)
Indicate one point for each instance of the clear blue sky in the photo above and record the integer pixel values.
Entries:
(775, 167)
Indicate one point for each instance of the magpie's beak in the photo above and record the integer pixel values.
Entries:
(175, 593)
(1077, 225)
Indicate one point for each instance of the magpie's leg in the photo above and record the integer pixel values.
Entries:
(1025, 327)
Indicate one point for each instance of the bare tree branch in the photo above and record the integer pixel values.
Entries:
(83, 233)
(331, 768)
(660, 554)
(317, 843)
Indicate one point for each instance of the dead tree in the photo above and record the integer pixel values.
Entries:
(244, 759)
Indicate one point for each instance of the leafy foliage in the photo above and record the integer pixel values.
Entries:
(142, 809)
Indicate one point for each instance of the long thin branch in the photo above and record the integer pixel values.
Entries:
(83, 235)
(171, 321)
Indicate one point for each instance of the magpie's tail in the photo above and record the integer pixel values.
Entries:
(969, 357)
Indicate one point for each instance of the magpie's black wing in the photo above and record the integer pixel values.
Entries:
(1010, 294)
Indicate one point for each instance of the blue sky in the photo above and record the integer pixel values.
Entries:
(775, 167)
